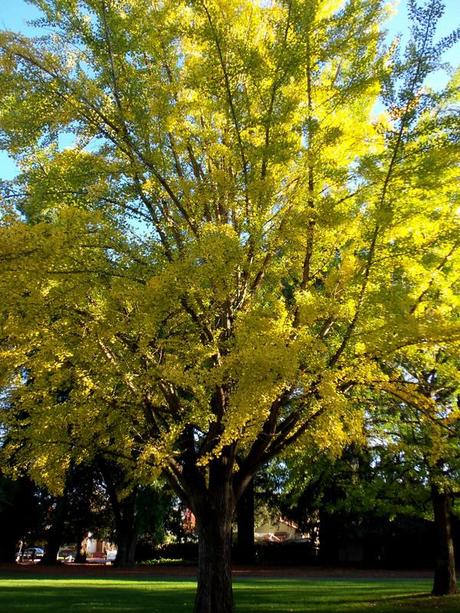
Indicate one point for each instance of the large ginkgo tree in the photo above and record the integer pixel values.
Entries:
(227, 213)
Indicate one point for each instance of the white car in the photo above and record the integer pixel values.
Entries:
(66, 554)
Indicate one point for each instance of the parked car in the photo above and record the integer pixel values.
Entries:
(30, 553)
(66, 554)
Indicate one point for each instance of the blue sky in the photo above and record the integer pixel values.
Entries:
(14, 15)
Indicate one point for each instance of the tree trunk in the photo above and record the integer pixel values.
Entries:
(18, 511)
(55, 532)
(7, 547)
(124, 512)
(126, 530)
(330, 536)
(214, 514)
(445, 581)
(214, 591)
(245, 549)
(80, 554)
(126, 547)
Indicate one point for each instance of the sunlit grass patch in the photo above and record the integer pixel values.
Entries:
(106, 595)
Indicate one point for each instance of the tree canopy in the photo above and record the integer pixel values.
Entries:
(257, 208)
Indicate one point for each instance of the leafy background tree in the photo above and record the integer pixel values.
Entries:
(421, 427)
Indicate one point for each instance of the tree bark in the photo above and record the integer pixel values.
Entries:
(126, 530)
(124, 512)
(245, 549)
(445, 581)
(214, 513)
(55, 533)
(80, 554)
(126, 546)
(214, 590)
(18, 514)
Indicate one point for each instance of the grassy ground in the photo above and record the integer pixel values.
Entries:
(48, 595)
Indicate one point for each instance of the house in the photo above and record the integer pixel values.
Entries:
(279, 531)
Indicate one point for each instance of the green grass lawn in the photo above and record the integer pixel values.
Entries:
(50, 595)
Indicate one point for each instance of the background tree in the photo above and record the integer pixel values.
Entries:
(409, 466)
(155, 520)
(367, 505)
(234, 237)
(137, 510)
(18, 515)
(88, 509)
(421, 425)
(79, 509)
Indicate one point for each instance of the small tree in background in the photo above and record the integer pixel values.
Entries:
(421, 426)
